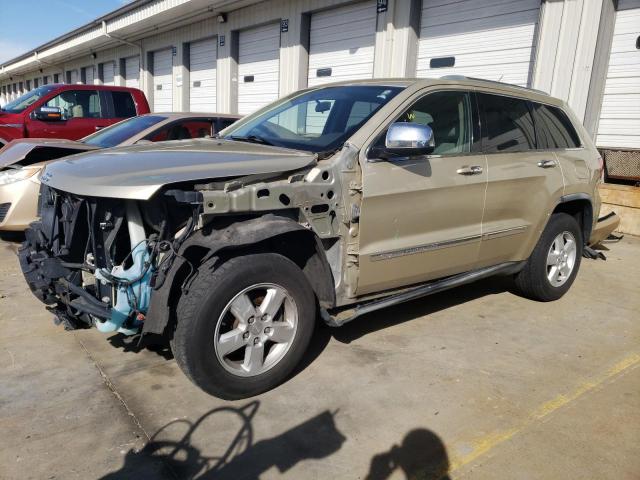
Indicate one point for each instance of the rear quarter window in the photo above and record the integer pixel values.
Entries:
(553, 128)
(123, 105)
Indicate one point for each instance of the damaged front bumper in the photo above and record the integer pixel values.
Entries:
(90, 276)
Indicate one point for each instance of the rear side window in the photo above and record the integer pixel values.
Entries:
(183, 130)
(508, 125)
(553, 127)
(123, 105)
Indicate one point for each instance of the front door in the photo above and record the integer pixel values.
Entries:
(82, 114)
(421, 216)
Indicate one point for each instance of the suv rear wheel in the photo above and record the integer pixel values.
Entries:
(243, 327)
(554, 263)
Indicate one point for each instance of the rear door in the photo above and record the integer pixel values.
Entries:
(421, 216)
(524, 182)
(83, 112)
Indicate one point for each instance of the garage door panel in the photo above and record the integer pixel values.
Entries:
(501, 41)
(203, 56)
(163, 81)
(132, 72)
(481, 13)
(89, 75)
(358, 32)
(342, 16)
(619, 124)
(342, 42)
(108, 73)
(493, 40)
(258, 67)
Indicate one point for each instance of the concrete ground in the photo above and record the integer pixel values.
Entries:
(475, 383)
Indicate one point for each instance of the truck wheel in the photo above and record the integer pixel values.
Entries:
(554, 263)
(243, 327)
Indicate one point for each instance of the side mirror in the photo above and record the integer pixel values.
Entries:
(408, 139)
(322, 106)
(47, 114)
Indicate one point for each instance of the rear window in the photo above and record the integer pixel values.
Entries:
(123, 105)
(553, 128)
(508, 125)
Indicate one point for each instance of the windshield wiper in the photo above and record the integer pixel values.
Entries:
(252, 139)
(326, 153)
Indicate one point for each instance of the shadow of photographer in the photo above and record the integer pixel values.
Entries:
(420, 456)
(182, 456)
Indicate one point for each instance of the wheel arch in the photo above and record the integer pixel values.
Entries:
(580, 207)
(267, 233)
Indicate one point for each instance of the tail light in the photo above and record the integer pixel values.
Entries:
(601, 167)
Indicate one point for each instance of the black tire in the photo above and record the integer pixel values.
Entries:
(532, 281)
(200, 309)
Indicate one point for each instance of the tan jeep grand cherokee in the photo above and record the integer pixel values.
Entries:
(327, 204)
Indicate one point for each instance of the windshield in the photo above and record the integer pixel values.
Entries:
(318, 120)
(121, 131)
(25, 101)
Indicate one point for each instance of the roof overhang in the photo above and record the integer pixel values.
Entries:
(136, 20)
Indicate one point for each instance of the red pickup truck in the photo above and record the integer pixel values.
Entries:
(68, 111)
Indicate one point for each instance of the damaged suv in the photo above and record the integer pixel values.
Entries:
(327, 204)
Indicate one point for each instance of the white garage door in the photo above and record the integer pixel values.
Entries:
(73, 77)
(132, 72)
(163, 81)
(89, 75)
(342, 43)
(620, 115)
(258, 67)
(493, 39)
(203, 56)
(108, 73)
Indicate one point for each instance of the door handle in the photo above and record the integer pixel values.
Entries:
(546, 164)
(472, 170)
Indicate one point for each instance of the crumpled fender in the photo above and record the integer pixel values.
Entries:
(235, 236)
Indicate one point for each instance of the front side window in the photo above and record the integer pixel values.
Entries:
(449, 116)
(319, 120)
(77, 104)
(121, 131)
(553, 128)
(25, 101)
(508, 125)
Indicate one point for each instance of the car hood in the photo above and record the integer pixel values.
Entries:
(137, 172)
(34, 151)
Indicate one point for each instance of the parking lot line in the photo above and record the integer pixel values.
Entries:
(486, 443)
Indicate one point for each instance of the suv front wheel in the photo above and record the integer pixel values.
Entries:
(244, 326)
(554, 263)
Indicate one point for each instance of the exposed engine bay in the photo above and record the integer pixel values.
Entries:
(94, 261)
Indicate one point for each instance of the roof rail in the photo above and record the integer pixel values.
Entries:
(463, 77)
